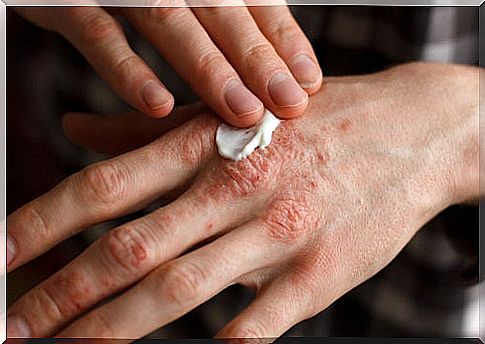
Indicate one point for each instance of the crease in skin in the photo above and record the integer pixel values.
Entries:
(237, 144)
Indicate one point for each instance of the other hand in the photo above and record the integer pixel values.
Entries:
(238, 59)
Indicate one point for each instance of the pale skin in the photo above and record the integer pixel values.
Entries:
(238, 59)
(334, 198)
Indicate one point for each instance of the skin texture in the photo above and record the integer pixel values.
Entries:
(334, 198)
(237, 59)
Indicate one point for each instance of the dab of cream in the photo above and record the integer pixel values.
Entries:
(236, 143)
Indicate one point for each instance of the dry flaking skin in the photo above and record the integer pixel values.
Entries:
(236, 143)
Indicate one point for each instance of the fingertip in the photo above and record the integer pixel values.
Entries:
(307, 72)
(285, 92)
(163, 111)
(158, 101)
(246, 108)
(245, 121)
(292, 112)
(311, 89)
(315, 88)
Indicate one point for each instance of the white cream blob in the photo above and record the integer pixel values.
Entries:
(236, 143)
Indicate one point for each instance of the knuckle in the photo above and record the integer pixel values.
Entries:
(257, 53)
(307, 287)
(286, 32)
(210, 62)
(287, 220)
(51, 306)
(198, 140)
(162, 15)
(126, 66)
(181, 283)
(128, 247)
(65, 295)
(303, 273)
(34, 221)
(103, 184)
(99, 29)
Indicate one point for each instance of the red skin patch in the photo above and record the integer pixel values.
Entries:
(126, 242)
(108, 283)
(71, 292)
(290, 165)
(345, 125)
(166, 219)
(233, 180)
(139, 254)
(290, 215)
(285, 219)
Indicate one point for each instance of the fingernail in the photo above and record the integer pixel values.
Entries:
(155, 96)
(285, 91)
(17, 327)
(240, 99)
(305, 71)
(10, 249)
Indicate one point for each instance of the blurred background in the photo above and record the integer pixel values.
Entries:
(430, 290)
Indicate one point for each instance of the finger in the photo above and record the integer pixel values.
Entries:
(122, 257)
(118, 134)
(179, 286)
(109, 189)
(277, 307)
(100, 38)
(284, 33)
(235, 32)
(184, 43)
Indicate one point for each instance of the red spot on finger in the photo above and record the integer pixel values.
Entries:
(70, 292)
(139, 254)
(108, 283)
(345, 125)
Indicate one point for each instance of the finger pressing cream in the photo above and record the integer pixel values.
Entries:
(236, 143)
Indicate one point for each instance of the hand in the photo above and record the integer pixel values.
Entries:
(333, 199)
(235, 58)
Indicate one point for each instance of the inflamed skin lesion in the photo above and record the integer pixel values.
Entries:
(284, 177)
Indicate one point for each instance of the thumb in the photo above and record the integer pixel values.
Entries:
(116, 134)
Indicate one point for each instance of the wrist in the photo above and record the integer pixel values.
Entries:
(466, 144)
(450, 100)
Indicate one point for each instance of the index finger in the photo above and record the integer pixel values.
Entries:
(108, 189)
(186, 45)
(100, 38)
